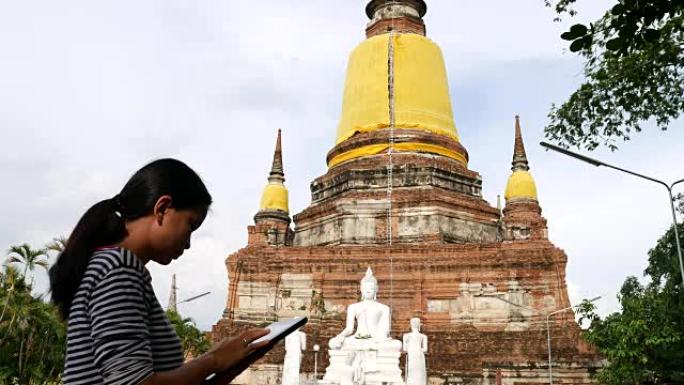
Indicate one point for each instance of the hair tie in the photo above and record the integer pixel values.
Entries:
(118, 207)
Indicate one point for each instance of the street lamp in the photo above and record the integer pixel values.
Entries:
(599, 163)
(316, 348)
(194, 297)
(548, 332)
(548, 329)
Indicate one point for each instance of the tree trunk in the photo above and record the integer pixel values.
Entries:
(42, 351)
(4, 307)
(21, 347)
(9, 328)
(29, 350)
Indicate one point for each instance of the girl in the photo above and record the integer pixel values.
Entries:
(117, 332)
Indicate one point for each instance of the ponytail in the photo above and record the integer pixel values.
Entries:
(104, 224)
(101, 225)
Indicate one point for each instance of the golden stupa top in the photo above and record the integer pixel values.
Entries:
(420, 92)
(520, 184)
(396, 79)
(275, 195)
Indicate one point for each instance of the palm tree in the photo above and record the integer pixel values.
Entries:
(57, 245)
(30, 258)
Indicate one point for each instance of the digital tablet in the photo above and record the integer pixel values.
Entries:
(279, 330)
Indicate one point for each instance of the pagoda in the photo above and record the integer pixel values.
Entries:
(398, 196)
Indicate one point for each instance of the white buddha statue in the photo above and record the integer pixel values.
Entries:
(367, 336)
(372, 319)
(415, 346)
(295, 343)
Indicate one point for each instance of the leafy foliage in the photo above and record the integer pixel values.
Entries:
(634, 73)
(194, 341)
(561, 7)
(32, 336)
(644, 343)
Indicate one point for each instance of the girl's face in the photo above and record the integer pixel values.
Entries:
(170, 234)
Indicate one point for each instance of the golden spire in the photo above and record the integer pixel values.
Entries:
(384, 9)
(277, 174)
(520, 184)
(404, 16)
(275, 195)
(519, 156)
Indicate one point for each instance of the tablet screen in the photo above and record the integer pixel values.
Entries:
(280, 329)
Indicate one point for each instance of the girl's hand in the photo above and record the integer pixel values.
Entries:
(225, 377)
(233, 350)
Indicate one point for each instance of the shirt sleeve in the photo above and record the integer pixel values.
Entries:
(121, 339)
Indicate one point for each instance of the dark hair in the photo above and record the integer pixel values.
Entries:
(104, 223)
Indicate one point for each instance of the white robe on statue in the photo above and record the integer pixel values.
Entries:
(415, 345)
(294, 344)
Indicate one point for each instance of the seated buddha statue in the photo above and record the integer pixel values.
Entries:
(363, 352)
(371, 318)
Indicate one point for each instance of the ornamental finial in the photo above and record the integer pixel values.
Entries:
(519, 155)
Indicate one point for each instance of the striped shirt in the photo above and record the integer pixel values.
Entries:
(117, 332)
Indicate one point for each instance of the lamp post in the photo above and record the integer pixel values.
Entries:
(548, 328)
(316, 348)
(548, 333)
(599, 163)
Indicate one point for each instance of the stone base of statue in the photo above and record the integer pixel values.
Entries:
(364, 362)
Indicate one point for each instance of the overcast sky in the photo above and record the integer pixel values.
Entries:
(91, 91)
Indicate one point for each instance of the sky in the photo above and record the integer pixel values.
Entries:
(92, 91)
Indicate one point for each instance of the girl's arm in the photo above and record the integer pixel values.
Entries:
(229, 358)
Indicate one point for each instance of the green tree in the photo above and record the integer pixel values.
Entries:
(193, 340)
(644, 342)
(634, 70)
(25, 255)
(32, 336)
